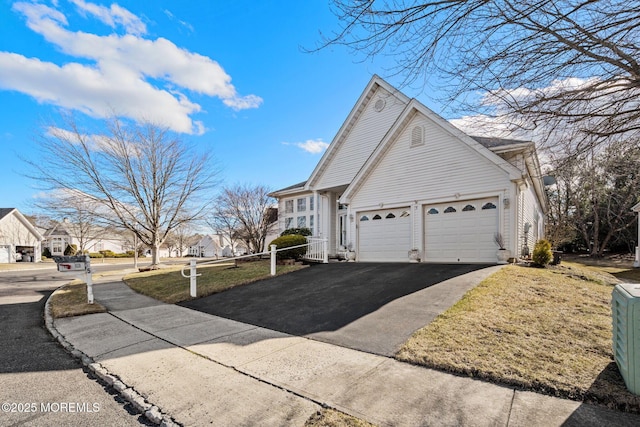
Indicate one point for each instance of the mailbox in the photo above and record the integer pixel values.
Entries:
(72, 263)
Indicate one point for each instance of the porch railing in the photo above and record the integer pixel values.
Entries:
(317, 250)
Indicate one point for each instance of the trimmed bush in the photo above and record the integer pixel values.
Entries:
(304, 231)
(46, 253)
(542, 254)
(71, 250)
(288, 241)
(95, 255)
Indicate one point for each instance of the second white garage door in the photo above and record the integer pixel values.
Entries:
(461, 231)
(384, 235)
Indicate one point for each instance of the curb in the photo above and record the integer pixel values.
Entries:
(150, 411)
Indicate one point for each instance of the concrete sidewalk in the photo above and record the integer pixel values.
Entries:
(201, 369)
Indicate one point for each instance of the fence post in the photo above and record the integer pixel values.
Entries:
(89, 281)
(192, 278)
(325, 251)
(273, 260)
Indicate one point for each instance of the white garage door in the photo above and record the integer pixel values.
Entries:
(461, 231)
(384, 235)
(4, 254)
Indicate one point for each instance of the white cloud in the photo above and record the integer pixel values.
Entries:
(113, 16)
(313, 146)
(118, 81)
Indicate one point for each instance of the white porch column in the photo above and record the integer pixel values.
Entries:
(331, 230)
(316, 223)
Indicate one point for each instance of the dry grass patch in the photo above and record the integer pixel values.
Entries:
(333, 418)
(169, 286)
(547, 330)
(71, 300)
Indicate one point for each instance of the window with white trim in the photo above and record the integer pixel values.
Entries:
(302, 221)
(288, 206)
(302, 204)
(311, 203)
(288, 223)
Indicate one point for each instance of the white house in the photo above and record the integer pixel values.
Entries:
(398, 177)
(19, 239)
(97, 239)
(216, 245)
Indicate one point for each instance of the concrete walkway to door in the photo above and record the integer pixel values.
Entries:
(372, 307)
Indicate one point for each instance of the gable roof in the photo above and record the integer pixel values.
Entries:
(356, 112)
(5, 212)
(290, 189)
(415, 107)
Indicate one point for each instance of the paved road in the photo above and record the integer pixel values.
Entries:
(42, 383)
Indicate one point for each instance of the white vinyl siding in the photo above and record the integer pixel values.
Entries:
(530, 214)
(361, 140)
(442, 167)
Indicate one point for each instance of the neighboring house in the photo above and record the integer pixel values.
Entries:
(62, 234)
(216, 245)
(398, 177)
(19, 239)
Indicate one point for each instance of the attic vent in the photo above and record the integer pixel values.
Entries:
(379, 105)
(417, 136)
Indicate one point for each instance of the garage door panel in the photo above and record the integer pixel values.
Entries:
(4, 254)
(385, 239)
(461, 235)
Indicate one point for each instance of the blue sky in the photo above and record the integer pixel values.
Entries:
(228, 75)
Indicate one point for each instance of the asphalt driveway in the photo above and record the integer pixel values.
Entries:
(372, 307)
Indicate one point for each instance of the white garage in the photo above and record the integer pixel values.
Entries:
(384, 235)
(461, 231)
(5, 254)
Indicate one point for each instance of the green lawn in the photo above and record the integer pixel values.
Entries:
(169, 286)
(546, 330)
(71, 300)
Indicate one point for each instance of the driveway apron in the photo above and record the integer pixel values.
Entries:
(372, 307)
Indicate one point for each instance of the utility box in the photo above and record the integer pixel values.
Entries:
(625, 310)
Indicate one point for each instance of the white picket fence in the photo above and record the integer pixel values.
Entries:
(316, 252)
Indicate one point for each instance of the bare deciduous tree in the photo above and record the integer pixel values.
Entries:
(559, 62)
(141, 176)
(244, 211)
(77, 213)
(180, 239)
(594, 195)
